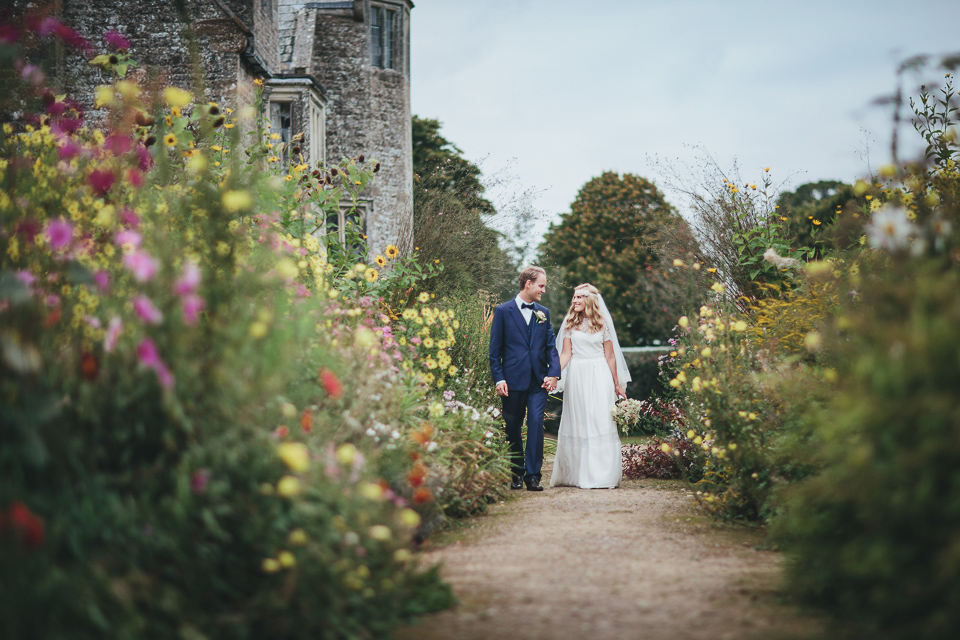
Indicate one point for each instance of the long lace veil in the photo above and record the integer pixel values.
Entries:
(623, 373)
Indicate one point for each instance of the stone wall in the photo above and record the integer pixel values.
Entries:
(368, 112)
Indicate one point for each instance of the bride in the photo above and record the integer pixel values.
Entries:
(594, 374)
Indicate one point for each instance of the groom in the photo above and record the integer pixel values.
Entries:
(525, 366)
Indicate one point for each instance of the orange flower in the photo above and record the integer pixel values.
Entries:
(423, 435)
(417, 475)
(282, 431)
(422, 495)
(306, 421)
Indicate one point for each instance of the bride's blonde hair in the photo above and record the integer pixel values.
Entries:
(590, 312)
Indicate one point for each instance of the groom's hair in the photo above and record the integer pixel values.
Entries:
(529, 274)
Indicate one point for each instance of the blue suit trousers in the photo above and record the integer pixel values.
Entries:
(530, 404)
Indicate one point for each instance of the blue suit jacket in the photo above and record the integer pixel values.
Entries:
(512, 357)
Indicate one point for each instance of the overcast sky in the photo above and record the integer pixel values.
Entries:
(560, 91)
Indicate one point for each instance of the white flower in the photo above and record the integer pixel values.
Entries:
(889, 228)
(488, 435)
(541, 316)
(780, 262)
(370, 432)
(394, 435)
(432, 447)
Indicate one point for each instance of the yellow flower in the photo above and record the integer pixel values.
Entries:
(665, 447)
(712, 269)
(430, 363)
(380, 532)
(677, 262)
(286, 559)
(739, 325)
(402, 555)
(816, 222)
(371, 491)
(409, 314)
(274, 136)
(684, 322)
(732, 446)
(410, 518)
(236, 200)
(452, 370)
(690, 434)
(288, 486)
(298, 537)
(269, 565)
(346, 453)
(751, 416)
(176, 98)
(392, 251)
(170, 140)
(436, 410)
(364, 337)
(716, 286)
(296, 455)
(675, 383)
(706, 352)
(428, 343)
(423, 297)
(682, 377)
(380, 260)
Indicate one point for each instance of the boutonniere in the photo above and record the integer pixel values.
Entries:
(541, 316)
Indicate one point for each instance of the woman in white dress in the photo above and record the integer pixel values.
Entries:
(594, 374)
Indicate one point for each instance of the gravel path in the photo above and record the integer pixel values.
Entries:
(635, 562)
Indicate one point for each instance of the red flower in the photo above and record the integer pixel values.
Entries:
(417, 475)
(27, 527)
(89, 366)
(422, 495)
(331, 383)
(306, 421)
(281, 431)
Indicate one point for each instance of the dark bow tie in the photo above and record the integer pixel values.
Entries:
(526, 306)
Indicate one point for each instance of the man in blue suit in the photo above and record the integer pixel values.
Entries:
(525, 367)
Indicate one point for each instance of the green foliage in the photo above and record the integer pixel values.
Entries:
(207, 432)
(606, 240)
(811, 207)
(450, 218)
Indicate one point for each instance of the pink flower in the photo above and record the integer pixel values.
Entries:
(102, 278)
(101, 181)
(115, 40)
(192, 305)
(189, 280)
(131, 238)
(142, 265)
(147, 352)
(135, 178)
(68, 150)
(146, 160)
(59, 233)
(199, 480)
(114, 329)
(147, 311)
(118, 144)
(129, 218)
(27, 279)
(52, 300)
(415, 340)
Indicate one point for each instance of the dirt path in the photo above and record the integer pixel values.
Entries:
(634, 562)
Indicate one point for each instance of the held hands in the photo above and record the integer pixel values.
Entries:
(550, 384)
(502, 390)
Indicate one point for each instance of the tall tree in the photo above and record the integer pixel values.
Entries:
(608, 238)
(449, 216)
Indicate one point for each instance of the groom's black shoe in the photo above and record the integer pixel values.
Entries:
(516, 483)
(533, 485)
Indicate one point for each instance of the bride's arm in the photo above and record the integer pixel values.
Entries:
(612, 363)
(566, 353)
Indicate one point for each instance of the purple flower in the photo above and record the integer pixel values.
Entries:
(129, 218)
(102, 278)
(147, 311)
(52, 300)
(31, 74)
(192, 305)
(9, 34)
(48, 26)
(146, 160)
(59, 233)
(142, 265)
(68, 150)
(115, 40)
(114, 329)
(101, 181)
(199, 480)
(118, 144)
(188, 281)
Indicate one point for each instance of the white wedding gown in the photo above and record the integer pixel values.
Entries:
(588, 446)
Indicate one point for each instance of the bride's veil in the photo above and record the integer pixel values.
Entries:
(623, 373)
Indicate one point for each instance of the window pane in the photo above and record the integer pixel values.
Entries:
(388, 39)
(376, 34)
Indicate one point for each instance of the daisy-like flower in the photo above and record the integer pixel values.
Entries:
(170, 140)
(371, 275)
(380, 260)
(423, 297)
(889, 229)
(392, 251)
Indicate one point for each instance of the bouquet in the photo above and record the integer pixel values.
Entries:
(627, 414)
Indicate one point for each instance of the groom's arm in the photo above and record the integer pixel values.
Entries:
(496, 347)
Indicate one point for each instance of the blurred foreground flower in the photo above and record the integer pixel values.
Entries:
(889, 229)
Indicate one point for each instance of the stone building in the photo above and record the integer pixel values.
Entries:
(336, 71)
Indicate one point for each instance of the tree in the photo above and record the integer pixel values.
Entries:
(609, 238)
(450, 214)
(813, 206)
